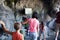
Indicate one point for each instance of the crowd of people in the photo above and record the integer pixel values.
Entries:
(35, 27)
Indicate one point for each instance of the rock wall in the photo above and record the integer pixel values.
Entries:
(6, 15)
(34, 4)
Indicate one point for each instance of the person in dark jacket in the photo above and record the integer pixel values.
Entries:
(57, 24)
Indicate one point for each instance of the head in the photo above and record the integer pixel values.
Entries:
(35, 15)
(58, 14)
(24, 18)
(17, 26)
(42, 22)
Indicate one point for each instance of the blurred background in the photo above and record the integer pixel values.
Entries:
(12, 11)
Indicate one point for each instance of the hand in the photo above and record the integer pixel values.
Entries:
(21, 22)
(4, 27)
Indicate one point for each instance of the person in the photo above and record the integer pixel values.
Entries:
(15, 35)
(42, 26)
(26, 26)
(33, 26)
(57, 24)
(41, 33)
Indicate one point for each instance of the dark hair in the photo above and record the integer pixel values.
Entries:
(42, 23)
(58, 14)
(17, 26)
(35, 15)
(24, 18)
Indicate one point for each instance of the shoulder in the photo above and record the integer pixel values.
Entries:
(29, 19)
(38, 21)
(13, 33)
(58, 13)
(21, 35)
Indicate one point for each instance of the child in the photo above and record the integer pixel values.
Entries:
(42, 36)
(15, 35)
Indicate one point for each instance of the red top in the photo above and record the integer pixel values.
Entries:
(58, 17)
(17, 36)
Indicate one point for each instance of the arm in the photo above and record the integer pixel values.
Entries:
(22, 37)
(4, 28)
(38, 28)
(25, 22)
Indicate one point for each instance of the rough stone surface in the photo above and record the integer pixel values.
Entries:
(7, 15)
